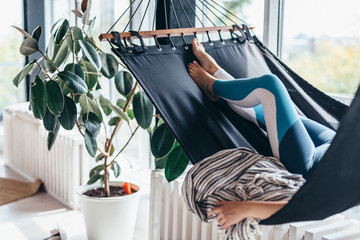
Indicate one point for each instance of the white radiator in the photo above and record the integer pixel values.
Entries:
(170, 220)
(62, 169)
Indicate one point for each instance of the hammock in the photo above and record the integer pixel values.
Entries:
(203, 127)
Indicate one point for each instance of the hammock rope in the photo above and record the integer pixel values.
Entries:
(117, 20)
(142, 20)
(186, 15)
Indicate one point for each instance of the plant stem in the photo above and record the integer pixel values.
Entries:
(93, 43)
(122, 149)
(126, 108)
(106, 178)
(41, 69)
(49, 60)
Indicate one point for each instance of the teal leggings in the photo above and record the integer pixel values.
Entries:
(298, 142)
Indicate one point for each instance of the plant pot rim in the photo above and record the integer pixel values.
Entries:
(83, 188)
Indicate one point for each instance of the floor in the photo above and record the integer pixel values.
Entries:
(39, 216)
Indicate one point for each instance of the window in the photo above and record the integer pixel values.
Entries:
(250, 11)
(322, 43)
(11, 61)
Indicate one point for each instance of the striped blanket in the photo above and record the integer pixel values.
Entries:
(237, 174)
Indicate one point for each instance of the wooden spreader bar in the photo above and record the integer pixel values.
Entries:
(173, 32)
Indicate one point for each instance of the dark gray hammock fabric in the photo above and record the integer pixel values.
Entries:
(203, 127)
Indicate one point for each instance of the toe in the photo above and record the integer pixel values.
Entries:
(196, 64)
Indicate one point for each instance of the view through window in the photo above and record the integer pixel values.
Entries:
(11, 61)
(250, 11)
(322, 43)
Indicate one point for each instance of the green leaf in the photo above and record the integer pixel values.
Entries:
(55, 99)
(99, 157)
(22, 74)
(90, 143)
(143, 109)
(91, 73)
(52, 135)
(26, 34)
(38, 98)
(36, 34)
(61, 52)
(92, 123)
(119, 112)
(49, 121)
(76, 34)
(29, 46)
(75, 68)
(50, 50)
(91, 26)
(116, 168)
(96, 170)
(68, 115)
(73, 81)
(109, 65)
(131, 114)
(176, 164)
(113, 121)
(160, 162)
(89, 105)
(91, 54)
(56, 24)
(121, 103)
(123, 82)
(49, 66)
(161, 141)
(105, 105)
(61, 31)
(94, 178)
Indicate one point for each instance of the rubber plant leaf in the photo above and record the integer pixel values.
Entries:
(109, 65)
(61, 31)
(38, 98)
(116, 168)
(36, 34)
(161, 141)
(90, 143)
(105, 105)
(52, 135)
(69, 114)
(91, 54)
(49, 121)
(143, 109)
(123, 82)
(92, 123)
(29, 46)
(75, 68)
(89, 105)
(120, 113)
(176, 164)
(26, 34)
(55, 98)
(91, 73)
(22, 74)
(73, 81)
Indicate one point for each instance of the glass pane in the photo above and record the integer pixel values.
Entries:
(11, 61)
(321, 43)
(250, 11)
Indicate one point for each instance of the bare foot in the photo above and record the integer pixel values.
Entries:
(203, 79)
(206, 61)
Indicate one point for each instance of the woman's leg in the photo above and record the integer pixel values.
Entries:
(288, 137)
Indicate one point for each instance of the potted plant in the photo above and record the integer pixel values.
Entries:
(66, 92)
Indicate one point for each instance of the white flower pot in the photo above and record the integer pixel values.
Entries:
(109, 218)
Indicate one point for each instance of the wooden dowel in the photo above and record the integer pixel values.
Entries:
(173, 32)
